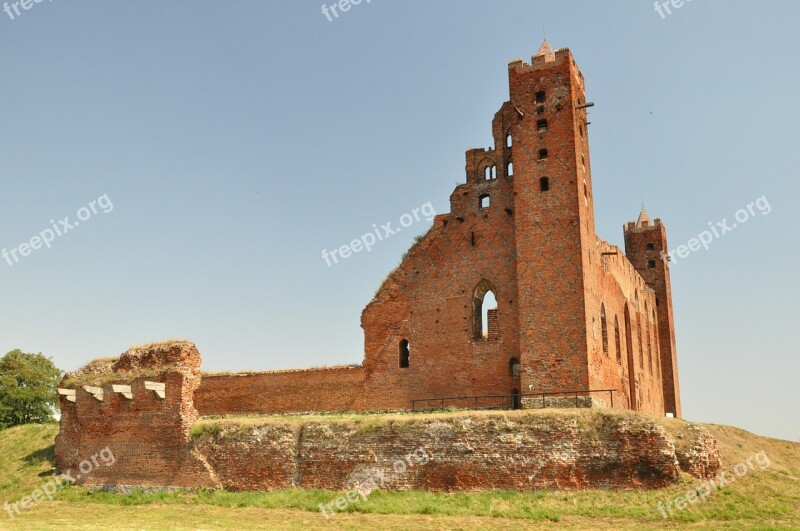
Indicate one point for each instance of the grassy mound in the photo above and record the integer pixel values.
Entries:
(766, 498)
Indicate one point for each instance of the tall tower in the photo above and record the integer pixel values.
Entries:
(645, 245)
(554, 218)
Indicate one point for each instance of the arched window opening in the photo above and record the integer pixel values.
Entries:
(490, 173)
(633, 403)
(604, 328)
(405, 354)
(485, 314)
(510, 169)
(509, 141)
(513, 367)
(639, 335)
(617, 343)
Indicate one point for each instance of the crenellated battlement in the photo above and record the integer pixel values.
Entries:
(139, 405)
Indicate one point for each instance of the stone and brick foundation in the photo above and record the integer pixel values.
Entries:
(142, 408)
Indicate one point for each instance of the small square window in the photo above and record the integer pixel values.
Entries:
(651, 247)
(541, 125)
(542, 154)
(484, 201)
(651, 264)
(541, 97)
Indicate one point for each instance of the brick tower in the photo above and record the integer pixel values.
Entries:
(645, 244)
(554, 216)
(573, 313)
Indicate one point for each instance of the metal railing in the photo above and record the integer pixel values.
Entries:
(512, 401)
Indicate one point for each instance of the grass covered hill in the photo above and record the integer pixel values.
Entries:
(765, 497)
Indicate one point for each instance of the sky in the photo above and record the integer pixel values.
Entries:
(209, 152)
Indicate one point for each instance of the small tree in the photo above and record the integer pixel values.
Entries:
(28, 385)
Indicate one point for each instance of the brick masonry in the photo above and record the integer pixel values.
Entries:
(163, 443)
(154, 446)
(573, 313)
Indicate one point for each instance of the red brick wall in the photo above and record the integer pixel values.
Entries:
(658, 278)
(429, 301)
(331, 389)
(560, 450)
(151, 441)
(147, 435)
(614, 286)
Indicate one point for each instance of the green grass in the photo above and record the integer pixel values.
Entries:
(27, 457)
(768, 499)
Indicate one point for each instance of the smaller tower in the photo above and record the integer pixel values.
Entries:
(645, 245)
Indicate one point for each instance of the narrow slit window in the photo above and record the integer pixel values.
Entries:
(405, 354)
(544, 184)
(604, 328)
(510, 169)
(509, 141)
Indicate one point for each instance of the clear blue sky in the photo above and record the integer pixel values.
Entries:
(236, 140)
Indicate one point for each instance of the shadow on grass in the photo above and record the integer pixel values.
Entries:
(39, 457)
